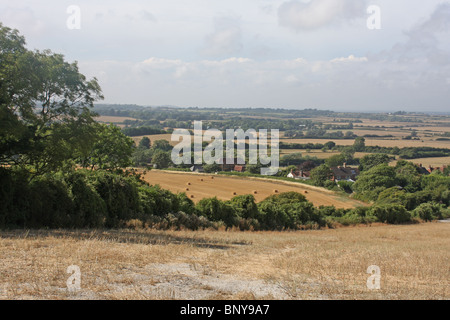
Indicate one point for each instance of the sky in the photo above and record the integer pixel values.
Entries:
(341, 55)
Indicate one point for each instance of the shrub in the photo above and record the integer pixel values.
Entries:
(89, 209)
(216, 210)
(244, 206)
(429, 211)
(392, 214)
(270, 217)
(51, 205)
(120, 195)
(14, 199)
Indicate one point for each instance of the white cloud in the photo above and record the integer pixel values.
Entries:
(318, 13)
(226, 38)
(350, 58)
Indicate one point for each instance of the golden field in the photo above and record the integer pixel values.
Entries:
(382, 142)
(202, 186)
(148, 264)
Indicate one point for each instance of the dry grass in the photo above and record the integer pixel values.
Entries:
(226, 187)
(148, 264)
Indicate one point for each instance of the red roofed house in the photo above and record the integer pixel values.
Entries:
(344, 173)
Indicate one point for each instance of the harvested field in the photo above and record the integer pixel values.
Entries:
(378, 142)
(426, 162)
(319, 154)
(112, 119)
(184, 265)
(225, 188)
(387, 142)
(156, 137)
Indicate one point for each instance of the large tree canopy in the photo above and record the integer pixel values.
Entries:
(45, 106)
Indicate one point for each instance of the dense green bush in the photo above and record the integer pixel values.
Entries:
(216, 210)
(390, 213)
(429, 211)
(120, 195)
(14, 200)
(89, 209)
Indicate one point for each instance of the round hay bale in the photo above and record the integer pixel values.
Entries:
(188, 183)
(306, 192)
(192, 196)
(201, 179)
(275, 191)
(234, 193)
(255, 192)
(187, 189)
(212, 178)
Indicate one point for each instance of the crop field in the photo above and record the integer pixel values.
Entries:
(318, 153)
(388, 142)
(433, 162)
(200, 186)
(150, 264)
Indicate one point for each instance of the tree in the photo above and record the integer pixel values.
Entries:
(360, 144)
(390, 213)
(371, 160)
(162, 145)
(145, 143)
(245, 206)
(112, 149)
(161, 159)
(320, 175)
(217, 210)
(428, 211)
(336, 160)
(375, 180)
(408, 176)
(330, 145)
(45, 105)
(141, 156)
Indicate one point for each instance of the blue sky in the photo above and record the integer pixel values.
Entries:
(252, 53)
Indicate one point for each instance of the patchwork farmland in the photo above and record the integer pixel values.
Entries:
(200, 186)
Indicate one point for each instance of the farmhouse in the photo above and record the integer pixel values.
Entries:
(197, 168)
(230, 164)
(344, 173)
(299, 175)
(239, 168)
(431, 169)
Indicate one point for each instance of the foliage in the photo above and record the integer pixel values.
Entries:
(161, 159)
(429, 211)
(392, 213)
(216, 210)
(371, 160)
(321, 175)
(45, 105)
(111, 151)
(373, 181)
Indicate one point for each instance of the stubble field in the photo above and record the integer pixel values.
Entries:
(200, 186)
(149, 264)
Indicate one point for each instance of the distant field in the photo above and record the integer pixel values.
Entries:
(156, 137)
(319, 153)
(426, 162)
(112, 119)
(223, 188)
(392, 142)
